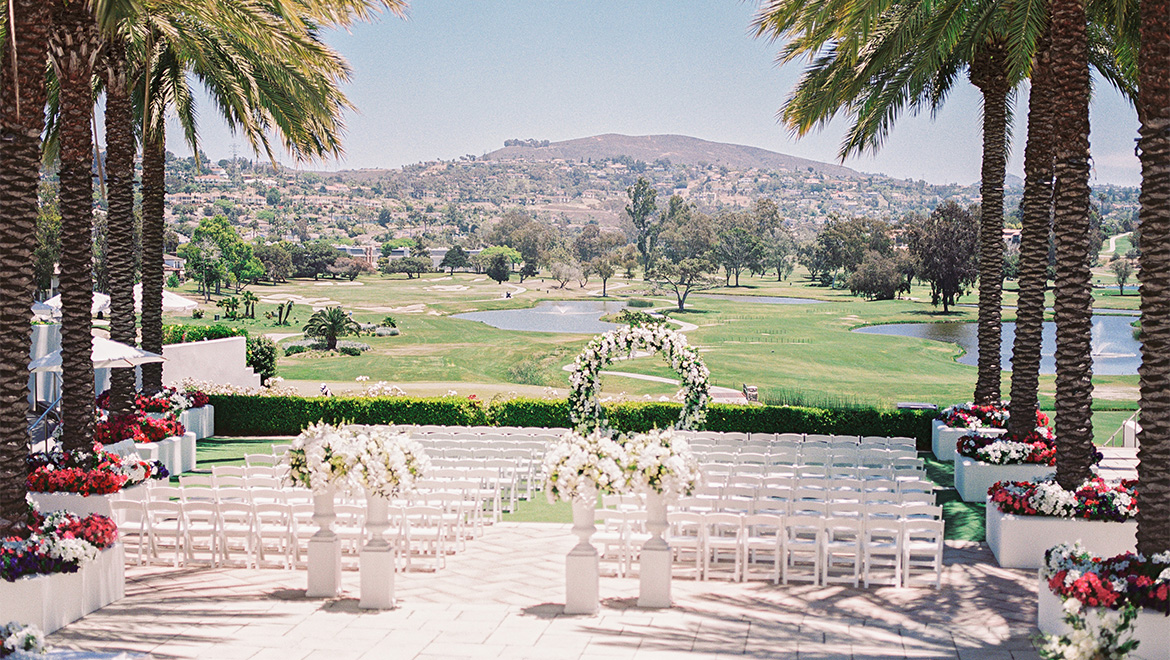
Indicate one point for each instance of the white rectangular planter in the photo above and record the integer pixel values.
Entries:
(52, 601)
(943, 439)
(84, 505)
(1020, 541)
(168, 451)
(200, 421)
(1151, 629)
(973, 478)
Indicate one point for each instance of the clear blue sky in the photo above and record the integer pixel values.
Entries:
(460, 77)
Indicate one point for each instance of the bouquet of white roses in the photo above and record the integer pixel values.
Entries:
(388, 463)
(662, 462)
(322, 457)
(579, 467)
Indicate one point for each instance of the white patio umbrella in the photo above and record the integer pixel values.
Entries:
(106, 354)
(171, 302)
(52, 306)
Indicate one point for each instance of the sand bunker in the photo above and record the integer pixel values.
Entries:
(417, 308)
(448, 287)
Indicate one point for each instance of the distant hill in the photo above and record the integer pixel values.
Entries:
(678, 149)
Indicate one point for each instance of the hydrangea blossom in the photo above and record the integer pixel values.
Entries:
(662, 462)
(579, 467)
(388, 463)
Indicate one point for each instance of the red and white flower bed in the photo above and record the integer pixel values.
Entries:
(69, 567)
(983, 461)
(1072, 573)
(87, 482)
(1026, 518)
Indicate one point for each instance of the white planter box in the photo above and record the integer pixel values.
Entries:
(84, 505)
(200, 421)
(943, 439)
(52, 601)
(973, 478)
(169, 452)
(1151, 629)
(1020, 541)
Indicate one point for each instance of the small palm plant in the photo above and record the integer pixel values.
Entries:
(329, 324)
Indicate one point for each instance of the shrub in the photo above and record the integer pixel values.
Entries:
(293, 349)
(262, 357)
(178, 334)
(349, 350)
(288, 415)
(526, 372)
(196, 313)
(638, 302)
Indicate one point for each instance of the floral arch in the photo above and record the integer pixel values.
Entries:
(584, 378)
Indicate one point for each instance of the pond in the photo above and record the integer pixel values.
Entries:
(1115, 351)
(765, 300)
(571, 316)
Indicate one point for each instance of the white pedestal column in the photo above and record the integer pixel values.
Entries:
(655, 562)
(377, 560)
(582, 577)
(324, 550)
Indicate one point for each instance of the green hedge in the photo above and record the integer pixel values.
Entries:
(178, 334)
(250, 416)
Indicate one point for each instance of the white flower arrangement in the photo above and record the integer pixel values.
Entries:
(585, 410)
(579, 467)
(388, 463)
(321, 458)
(1004, 452)
(662, 462)
(75, 550)
(20, 641)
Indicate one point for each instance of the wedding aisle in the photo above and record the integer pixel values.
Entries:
(502, 598)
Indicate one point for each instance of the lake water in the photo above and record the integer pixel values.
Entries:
(1115, 351)
(766, 300)
(570, 316)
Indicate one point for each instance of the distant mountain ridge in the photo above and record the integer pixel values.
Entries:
(679, 149)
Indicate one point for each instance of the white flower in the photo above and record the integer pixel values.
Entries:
(21, 638)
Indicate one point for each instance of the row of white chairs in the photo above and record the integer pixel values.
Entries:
(724, 473)
(820, 454)
(739, 438)
(216, 532)
(821, 550)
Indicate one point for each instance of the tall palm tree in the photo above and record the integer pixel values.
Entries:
(1153, 534)
(266, 71)
(22, 100)
(1035, 224)
(872, 63)
(1069, 54)
(120, 151)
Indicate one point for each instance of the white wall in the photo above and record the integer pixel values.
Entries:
(223, 361)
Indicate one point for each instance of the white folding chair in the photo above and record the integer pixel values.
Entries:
(685, 536)
(802, 547)
(841, 549)
(133, 522)
(237, 530)
(882, 551)
(424, 526)
(251, 460)
(200, 531)
(922, 548)
(274, 532)
(723, 535)
(164, 528)
(763, 545)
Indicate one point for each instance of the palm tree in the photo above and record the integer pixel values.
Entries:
(249, 300)
(873, 65)
(22, 99)
(120, 151)
(74, 49)
(329, 324)
(1069, 54)
(1153, 534)
(267, 71)
(1034, 228)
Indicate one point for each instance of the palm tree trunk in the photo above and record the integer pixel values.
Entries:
(22, 100)
(153, 197)
(1153, 534)
(1074, 300)
(1036, 222)
(120, 148)
(74, 48)
(989, 74)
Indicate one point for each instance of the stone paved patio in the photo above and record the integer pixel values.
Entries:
(500, 598)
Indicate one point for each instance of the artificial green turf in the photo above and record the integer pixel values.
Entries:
(965, 521)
